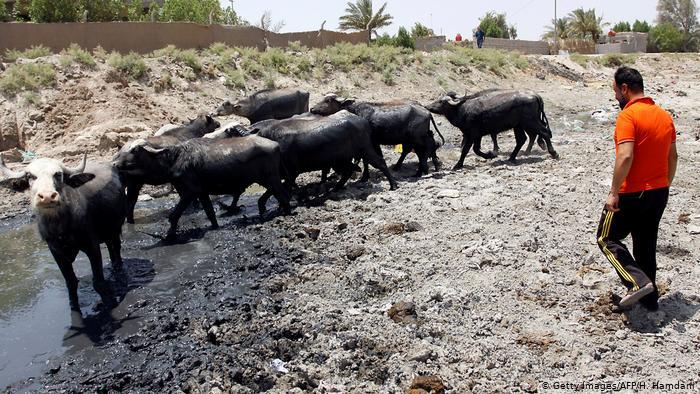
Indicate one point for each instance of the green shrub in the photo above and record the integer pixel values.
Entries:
(31, 53)
(131, 65)
(189, 58)
(31, 98)
(4, 15)
(100, 53)
(191, 11)
(75, 53)
(388, 76)
(46, 11)
(252, 68)
(170, 50)
(276, 59)
(270, 81)
(580, 59)
(304, 65)
(616, 59)
(234, 78)
(665, 37)
(218, 48)
(296, 46)
(26, 77)
(493, 60)
(404, 39)
(103, 10)
(164, 82)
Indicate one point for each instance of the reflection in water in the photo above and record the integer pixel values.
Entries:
(36, 324)
(26, 266)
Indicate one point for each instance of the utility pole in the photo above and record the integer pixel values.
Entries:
(556, 33)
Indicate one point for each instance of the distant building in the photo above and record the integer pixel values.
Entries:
(623, 42)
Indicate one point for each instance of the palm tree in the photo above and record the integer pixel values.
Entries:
(560, 27)
(359, 16)
(585, 24)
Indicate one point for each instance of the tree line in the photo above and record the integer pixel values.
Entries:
(676, 29)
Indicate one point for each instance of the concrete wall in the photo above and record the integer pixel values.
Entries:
(144, 37)
(624, 42)
(526, 47)
(585, 47)
(429, 43)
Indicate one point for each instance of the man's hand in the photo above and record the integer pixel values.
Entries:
(613, 202)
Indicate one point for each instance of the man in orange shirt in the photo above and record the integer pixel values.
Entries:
(645, 164)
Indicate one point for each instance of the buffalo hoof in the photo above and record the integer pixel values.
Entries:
(214, 226)
(457, 167)
(393, 186)
(490, 155)
(555, 155)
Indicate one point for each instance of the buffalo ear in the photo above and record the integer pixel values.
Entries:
(348, 101)
(16, 184)
(75, 181)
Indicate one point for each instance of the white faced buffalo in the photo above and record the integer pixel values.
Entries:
(397, 122)
(483, 114)
(76, 210)
(268, 104)
(200, 167)
(197, 128)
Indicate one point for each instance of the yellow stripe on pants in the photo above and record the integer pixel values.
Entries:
(611, 257)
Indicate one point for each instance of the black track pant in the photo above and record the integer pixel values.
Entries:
(639, 215)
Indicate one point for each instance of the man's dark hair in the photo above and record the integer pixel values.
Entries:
(631, 77)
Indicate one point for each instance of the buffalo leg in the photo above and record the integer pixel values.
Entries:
(531, 141)
(65, 264)
(405, 150)
(494, 139)
(377, 161)
(132, 195)
(209, 209)
(175, 215)
(477, 149)
(466, 145)
(422, 162)
(114, 246)
(274, 188)
(520, 138)
(324, 175)
(233, 208)
(98, 278)
(544, 134)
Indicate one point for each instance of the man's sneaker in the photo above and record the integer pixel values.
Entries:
(634, 296)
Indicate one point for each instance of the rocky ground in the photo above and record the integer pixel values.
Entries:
(484, 279)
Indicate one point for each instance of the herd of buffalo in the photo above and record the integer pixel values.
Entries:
(79, 208)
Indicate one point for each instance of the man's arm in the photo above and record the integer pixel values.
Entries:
(672, 163)
(623, 163)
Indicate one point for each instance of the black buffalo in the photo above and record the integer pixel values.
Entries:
(396, 122)
(200, 167)
(483, 114)
(268, 104)
(532, 136)
(315, 143)
(197, 128)
(76, 210)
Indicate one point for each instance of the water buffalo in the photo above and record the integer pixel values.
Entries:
(197, 128)
(315, 143)
(200, 167)
(76, 210)
(479, 115)
(268, 104)
(397, 122)
(532, 136)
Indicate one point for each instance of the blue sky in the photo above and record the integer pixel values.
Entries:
(446, 16)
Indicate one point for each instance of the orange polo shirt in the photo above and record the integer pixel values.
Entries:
(651, 130)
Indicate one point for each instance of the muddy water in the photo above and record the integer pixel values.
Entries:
(36, 324)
